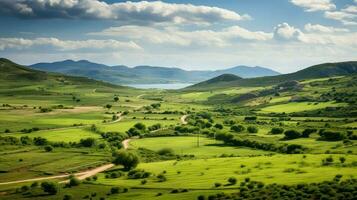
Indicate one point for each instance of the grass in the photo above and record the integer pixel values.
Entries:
(188, 146)
(299, 107)
(61, 135)
(203, 173)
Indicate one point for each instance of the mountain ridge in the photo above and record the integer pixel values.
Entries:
(121, 74)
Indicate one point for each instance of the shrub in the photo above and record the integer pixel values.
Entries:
(331, 136)
(88, 142)
(73, 181)
(277, 130)
(237, 128)
(67, 197)
(161, 177)
(49, 187)
(48, 148)
(232, 180)
(252, 129)
(218, 126)
(127, 159)
(114, 190)
(166, 151)
(201, 197)
(292, 134)
(306, 133)
(217, 184)
(143, 182)
(140, 126)
(342, 160)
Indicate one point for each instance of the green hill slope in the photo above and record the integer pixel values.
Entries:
(12, 74)
(317, 71)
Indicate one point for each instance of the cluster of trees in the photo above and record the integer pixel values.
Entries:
(335, 189)
(137, 130)
(114, 138)
(240, 128)
(129, 160)
(331, 135)
(294, 134)
(229, 139)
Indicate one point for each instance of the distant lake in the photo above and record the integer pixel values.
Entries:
(166, 86)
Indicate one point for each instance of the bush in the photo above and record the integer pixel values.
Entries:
(67, 197)
(277, 130)
(49, 187)
(217, 184)
(331, 136)
(201, 197)
(252, 129)
(127, 159)
(292, 134)
(115, 190)
(218, 126)
(48, 148)
(237, 128)
(88, 142)
(307, 132)
(161, 177)
(232, 181)
(166, 151)
(73, 181)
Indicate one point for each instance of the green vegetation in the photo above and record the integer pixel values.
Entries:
(65, 137)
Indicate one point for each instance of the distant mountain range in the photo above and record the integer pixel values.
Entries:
(145, 74)
(313, 72)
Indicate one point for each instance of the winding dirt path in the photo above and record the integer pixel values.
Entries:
(80, 175)
(126, 143)
(183, 119)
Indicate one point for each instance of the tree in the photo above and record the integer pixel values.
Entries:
(49, 187)
(237, 128)
(88, 142)
(218, 126)
(307, 132)
(73, 181)
(342, 160)
(331, 136)
(108, 106)
(127, 159)
(292, 134)
(252, 129)
(116, 99)
(277, 130)
(232, 181)
(48, 148)
(140, 126)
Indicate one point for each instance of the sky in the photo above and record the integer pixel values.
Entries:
(284, 35)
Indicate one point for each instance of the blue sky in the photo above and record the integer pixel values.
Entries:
(285, 35)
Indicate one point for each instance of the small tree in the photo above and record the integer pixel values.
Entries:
(49, 187)
(127, 159)
(277, 130)
(237, 128)
(88, 142)
(108, 106)
(342, 160)
(48, 148)
(232, 181)
(292, 134)
(73, 181)
(218, 126)
(252, 129)
(116, 99)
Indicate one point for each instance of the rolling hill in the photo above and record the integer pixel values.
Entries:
(12, 74)
(144, 74)
(316, 71)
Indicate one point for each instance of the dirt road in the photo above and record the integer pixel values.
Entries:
(81, 175)
(183, 119)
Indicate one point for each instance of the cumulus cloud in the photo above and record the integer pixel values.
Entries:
(67, 45)
(314, 5)
(128, 12)
(324, 29)
(176, 36)
(286, 32)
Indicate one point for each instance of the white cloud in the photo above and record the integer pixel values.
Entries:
(286, 32)
(176, 36)
(314, 5)
(67, 45)
(142, 12)
(324, 29)
(344, 17)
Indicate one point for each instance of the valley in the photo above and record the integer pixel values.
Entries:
(226, 137)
